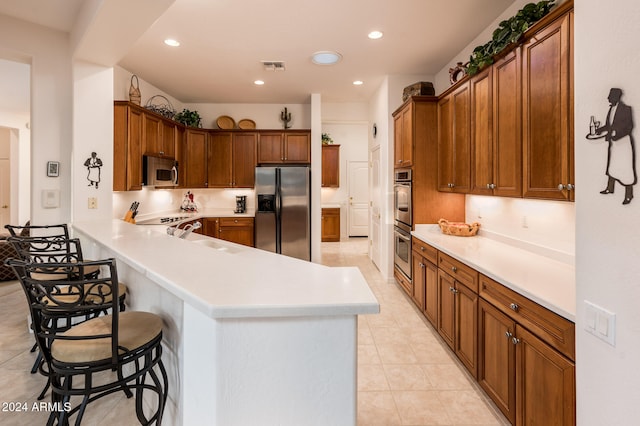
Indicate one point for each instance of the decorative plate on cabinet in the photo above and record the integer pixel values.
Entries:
(245, 123)
(225, 122)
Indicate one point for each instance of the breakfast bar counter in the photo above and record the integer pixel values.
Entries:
(251, 337)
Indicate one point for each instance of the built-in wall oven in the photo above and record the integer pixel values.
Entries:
(402, 222)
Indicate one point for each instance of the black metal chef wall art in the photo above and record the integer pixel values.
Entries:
(93, 165)
(621, 152)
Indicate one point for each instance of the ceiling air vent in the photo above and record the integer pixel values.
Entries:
(273, 65)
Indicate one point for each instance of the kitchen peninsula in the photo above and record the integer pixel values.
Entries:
(250, 337)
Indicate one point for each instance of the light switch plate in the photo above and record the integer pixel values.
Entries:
(600, 322)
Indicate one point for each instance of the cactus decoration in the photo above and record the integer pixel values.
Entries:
(285, 117)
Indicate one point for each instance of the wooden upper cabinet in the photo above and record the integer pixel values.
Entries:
(244, 160)
(195, 158)
(297, 148)
(403, 136)
(159, 135)
(496, 142)
(220, 160)
(454, 144)
(330, 166)
(127, 148)
(548, 112)
(292, 147)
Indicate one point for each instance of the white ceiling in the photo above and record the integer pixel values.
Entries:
(224, 41)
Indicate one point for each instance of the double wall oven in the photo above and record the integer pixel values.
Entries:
(402, 220)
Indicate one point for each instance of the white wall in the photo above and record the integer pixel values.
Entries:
(266, 116)
(122, 80)
(51, 107)
(607, 249)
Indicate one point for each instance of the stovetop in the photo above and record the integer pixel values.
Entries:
(166, 220)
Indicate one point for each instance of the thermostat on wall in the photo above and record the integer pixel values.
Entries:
(50, 198)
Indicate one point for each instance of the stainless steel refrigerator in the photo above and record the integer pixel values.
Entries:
(283, 210)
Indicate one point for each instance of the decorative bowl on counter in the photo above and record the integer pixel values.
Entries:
(459, 229)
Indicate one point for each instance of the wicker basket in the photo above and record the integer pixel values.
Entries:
(134, 91)
(161, 105)
(459, 229)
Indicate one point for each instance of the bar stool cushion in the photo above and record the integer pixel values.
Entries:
(135, 329)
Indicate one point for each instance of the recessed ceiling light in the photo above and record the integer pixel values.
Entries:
(326, 58)
(374, 35)
(358, 83)
(258, 82)
(171, 42)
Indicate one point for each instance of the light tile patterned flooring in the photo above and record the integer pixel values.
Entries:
(406, 375)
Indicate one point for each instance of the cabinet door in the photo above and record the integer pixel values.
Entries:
(446, 308)
(406, 141)
(330, 224)
(238, 230)
(220, 160)
(547, 112)
(270, 148)
(482, 181)
(454, 141)
(545, 383)
(297, 148)
(169, 134)
(431, 293)
(466, 327)
(507, 126)
(397, 140)
(244, 160)
(195, 158)
(127, 148)
(210, 227)
(330, 166)
(151, 134)
(419, 279)
(134, 150)
(497, 357)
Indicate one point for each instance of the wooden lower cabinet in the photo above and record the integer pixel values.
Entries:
(521, 354)
(235, 229)
(457, 319)
(497, 357)
(330, 226)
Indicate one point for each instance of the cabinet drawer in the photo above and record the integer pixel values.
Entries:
(425, 250)
(458, 270)
(236, 221)
(548, 326)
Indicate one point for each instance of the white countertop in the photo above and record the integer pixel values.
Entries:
(231, 280)
(546, 281)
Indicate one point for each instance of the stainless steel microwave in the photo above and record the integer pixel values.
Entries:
(158, 171)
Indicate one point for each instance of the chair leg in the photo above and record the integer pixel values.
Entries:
(37, 362)
(125, 388)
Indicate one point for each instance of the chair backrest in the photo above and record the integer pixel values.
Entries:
(53, 299)
(48, 250)
(28, 230)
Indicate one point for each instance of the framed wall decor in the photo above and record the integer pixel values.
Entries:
(53, 168)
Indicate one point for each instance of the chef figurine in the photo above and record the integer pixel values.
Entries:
(93, 165)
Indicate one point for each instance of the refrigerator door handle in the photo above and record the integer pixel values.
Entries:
(278, 206)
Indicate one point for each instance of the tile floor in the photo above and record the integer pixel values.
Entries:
(406, 375)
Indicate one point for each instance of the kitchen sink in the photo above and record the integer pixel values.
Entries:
(218, 246)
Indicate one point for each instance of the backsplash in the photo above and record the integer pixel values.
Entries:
(545, 227)
(169, 200)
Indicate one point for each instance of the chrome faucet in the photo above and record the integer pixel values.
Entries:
(184, 232)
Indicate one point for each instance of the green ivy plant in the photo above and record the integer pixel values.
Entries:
(509, 31)
(188, 118)
(326, 139)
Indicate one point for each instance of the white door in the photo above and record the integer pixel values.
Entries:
(374, 184)
(358, 209)
(5, 193)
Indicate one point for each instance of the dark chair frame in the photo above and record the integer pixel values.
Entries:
(86, 295)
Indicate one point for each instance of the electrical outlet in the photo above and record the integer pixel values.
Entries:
(93, 203)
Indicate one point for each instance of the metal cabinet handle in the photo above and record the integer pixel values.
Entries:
(421, 264)
(568, 187)
(491, 186)
(515, 340)
(514, 307)
(454, 269)
(508, 335)
(422, 248)
(399, 161)
(161, 152)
